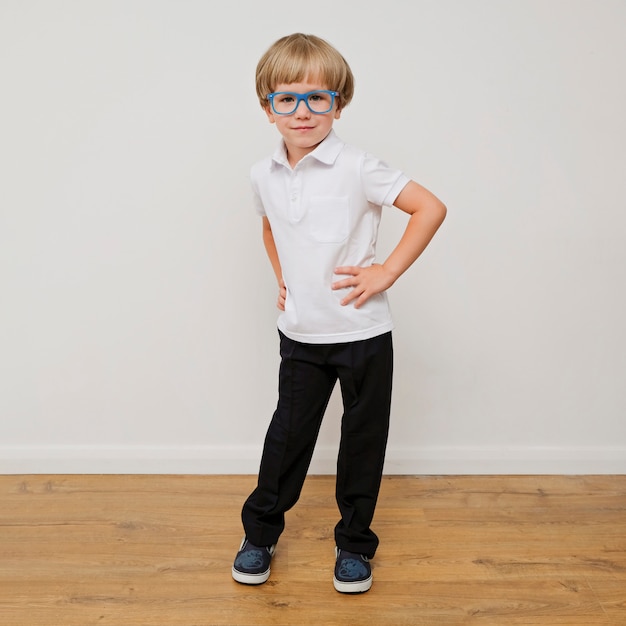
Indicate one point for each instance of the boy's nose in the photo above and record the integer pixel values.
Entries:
(302, 109)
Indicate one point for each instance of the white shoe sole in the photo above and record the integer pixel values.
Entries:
(251, 579)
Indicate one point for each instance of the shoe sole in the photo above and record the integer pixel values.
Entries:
(359, 586)
(251, 579)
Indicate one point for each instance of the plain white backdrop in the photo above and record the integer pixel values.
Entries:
(137, 308)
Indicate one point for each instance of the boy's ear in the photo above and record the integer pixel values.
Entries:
(337, 113)
(268, 112)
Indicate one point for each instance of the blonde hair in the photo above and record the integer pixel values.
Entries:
(295, 58)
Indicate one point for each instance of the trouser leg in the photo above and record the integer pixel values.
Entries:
(305, 387)
(366, 389)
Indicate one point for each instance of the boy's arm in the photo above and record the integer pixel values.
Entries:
(427, 213)
(272, 253)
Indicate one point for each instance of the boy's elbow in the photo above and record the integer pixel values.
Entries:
(441, 210)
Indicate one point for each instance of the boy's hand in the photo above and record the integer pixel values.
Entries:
(365, 282)
(282, 295)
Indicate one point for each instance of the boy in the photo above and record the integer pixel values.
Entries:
(320, 202)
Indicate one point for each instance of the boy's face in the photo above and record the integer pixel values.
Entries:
(302, 130)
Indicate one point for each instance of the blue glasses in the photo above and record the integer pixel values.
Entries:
(286, 102)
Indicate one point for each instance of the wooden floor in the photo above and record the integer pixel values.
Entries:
(157, 550)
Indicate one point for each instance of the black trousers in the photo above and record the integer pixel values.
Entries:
(307, 376)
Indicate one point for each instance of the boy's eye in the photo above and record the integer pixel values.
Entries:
(320, 98)
(287, 98)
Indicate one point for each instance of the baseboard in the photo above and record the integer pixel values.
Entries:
(525, 460)
(245, 460)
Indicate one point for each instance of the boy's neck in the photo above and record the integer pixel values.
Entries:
(295, 154)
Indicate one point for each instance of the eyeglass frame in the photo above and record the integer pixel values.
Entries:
(303, 97)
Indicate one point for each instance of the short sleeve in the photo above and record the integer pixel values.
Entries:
(256, 198)
(382, 183)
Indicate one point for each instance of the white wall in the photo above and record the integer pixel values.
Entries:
(137, 319)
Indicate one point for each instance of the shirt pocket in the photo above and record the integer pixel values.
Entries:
(329, 218)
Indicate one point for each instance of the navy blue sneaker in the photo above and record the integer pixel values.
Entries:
(252, 563)
(353, 573)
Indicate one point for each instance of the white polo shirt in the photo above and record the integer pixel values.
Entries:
(325, 213)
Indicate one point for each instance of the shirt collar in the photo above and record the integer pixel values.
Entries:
(326, 152)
